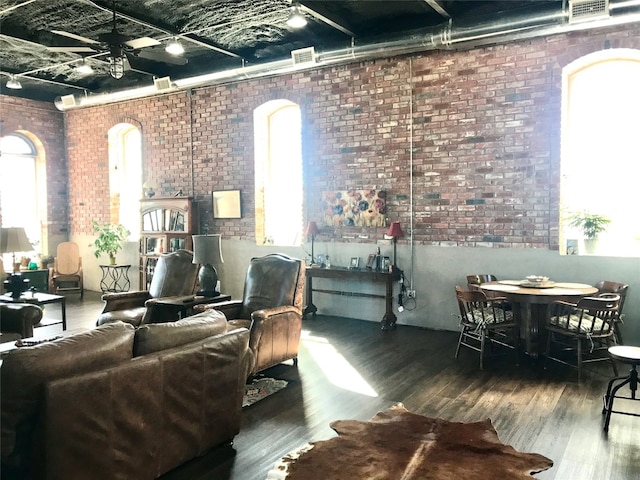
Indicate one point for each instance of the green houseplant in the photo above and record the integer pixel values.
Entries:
(109, 241)
(591, 225)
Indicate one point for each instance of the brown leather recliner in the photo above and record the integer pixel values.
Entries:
(17, 320)
(271, 308)
(175, 275)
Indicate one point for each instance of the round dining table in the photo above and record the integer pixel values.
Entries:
(530, 305)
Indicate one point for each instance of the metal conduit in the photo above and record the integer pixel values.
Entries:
(445, 36)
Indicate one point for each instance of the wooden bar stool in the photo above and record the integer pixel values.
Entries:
(630, 356)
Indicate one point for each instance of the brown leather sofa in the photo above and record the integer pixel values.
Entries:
(175, 275)
(17, 320)
(118, 402)
(271, 308)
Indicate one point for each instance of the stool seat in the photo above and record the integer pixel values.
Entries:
(625, 354)
(630, 356)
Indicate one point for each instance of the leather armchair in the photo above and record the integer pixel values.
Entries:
(17, 320)
(271, 309)
(175, 275)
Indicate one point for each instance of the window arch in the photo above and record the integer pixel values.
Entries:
(125, 176)
(278, 173)
(600, 163)
(22, 156)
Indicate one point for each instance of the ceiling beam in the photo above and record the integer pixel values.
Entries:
(170, 32)
(327, 20)
(8, 9)
(437, 6)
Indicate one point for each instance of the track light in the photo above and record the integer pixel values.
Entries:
(296, 18)
(174, 47)
(83, 67)
(13, 83)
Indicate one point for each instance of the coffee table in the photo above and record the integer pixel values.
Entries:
(40, 299)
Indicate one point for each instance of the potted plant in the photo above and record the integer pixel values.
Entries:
(109, 241)
(591, 225)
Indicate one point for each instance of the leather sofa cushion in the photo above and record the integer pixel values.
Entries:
(25, 371)
(132, 316)
(153, 337)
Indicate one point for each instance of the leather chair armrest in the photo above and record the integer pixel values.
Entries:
(230, 308)
(124, 300)
(20, 318)
(267, 313)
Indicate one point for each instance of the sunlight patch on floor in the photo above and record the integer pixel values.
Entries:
(336, 368)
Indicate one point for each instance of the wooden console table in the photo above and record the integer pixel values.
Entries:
(352, 275)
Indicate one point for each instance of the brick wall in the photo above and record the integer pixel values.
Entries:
(44, 125)
(478, 131)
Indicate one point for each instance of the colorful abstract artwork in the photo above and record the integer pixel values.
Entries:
(355, 208)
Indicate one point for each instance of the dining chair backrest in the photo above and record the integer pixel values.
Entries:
(608, 286)
(474, 281)
(68, 259)
(590, 316)
(476, 308)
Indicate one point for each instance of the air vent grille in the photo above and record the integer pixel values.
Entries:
(303, 55)
(583, 10)
(68, 100)
(163, 83)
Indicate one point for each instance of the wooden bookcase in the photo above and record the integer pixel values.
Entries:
(167, 225)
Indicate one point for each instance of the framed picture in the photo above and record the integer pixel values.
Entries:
(386, 264)
(355, 263)
(371, 261)
(226, 204)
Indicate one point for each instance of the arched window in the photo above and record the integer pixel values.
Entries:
(125, 176)
(23, 194)
(600, 164)
(278, 173)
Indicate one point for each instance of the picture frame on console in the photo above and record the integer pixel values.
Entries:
(371, 261)
(354, 264)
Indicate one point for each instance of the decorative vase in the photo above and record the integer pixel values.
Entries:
(590, 245)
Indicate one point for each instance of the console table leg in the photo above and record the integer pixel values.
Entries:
(389, 319)
(310, 308)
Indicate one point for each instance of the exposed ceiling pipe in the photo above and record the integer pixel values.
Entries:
(446, 36)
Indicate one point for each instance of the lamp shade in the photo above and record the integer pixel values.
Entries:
(207, 249)
(312, 229)
(395, 230)
(14, 240)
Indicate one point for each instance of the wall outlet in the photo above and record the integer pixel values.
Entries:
(411, 294)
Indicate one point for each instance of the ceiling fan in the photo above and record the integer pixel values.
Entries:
(119, 48)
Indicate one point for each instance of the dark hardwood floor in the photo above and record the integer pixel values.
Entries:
(351, 369)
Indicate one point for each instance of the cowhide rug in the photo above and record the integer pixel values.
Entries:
(399, 445)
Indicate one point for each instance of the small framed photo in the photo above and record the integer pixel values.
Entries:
(355, 263)
(371, 261)
(386, 264)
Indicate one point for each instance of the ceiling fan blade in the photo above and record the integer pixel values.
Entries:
(142, 42)
(72, 49)
(74, 36)
(159, 56)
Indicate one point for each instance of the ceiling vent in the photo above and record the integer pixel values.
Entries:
(68, 100)
(163, 83)
(303, 56)
(585, 10)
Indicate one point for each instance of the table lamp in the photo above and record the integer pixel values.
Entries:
(312, 229)
(207, 251)
(14, 240)
(395, 231)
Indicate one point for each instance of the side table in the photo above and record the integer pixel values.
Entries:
(173, 308)
(115, 278)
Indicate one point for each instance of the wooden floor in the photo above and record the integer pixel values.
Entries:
(350, 369)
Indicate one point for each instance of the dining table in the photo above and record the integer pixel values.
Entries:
(530, 301)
